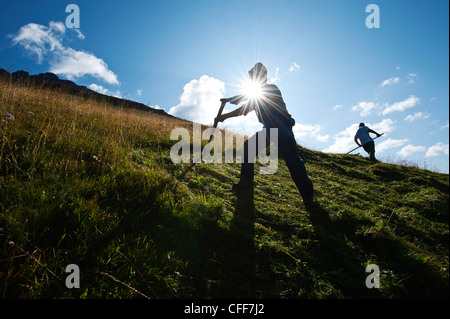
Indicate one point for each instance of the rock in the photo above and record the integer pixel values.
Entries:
(8, 117)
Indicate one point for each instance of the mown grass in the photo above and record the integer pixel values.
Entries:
(86, 183)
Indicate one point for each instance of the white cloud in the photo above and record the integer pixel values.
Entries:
(38, 39)
(103, 90)
(200, 100)
(415, 116)
(437, 149)
(344, 140)
(337, 106)
(294, 67)
(390, 81)
(411, 101)
(385, 126)
(46, 43)
(74, 64)
(390, 143)
(411, 149)
(79, 34)
(302, 130)
(275, 78)
(139, 92)
(244, 125)
(98, 88)
(411, 77)
(365, 108)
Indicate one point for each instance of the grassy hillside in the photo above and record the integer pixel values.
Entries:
(83, 182)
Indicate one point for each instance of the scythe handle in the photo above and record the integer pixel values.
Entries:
(218, 114)
(360, 146)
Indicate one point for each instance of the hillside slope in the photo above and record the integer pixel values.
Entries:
(83, 182)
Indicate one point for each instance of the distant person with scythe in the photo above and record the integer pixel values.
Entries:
(366, 141)
(266, 100)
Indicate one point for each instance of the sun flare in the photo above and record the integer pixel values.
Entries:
(252, 89)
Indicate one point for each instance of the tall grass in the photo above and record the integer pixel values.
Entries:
(87, 183)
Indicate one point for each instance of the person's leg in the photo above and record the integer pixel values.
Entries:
(369, 147)
(287, 147)
(372, 153)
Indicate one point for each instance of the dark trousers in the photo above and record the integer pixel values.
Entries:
(369, 147)
(287, 148)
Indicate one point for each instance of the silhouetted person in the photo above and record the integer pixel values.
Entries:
(366, 141)
(271, 112)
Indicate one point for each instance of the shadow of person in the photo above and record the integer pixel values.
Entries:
(242, 252)
(332, 254)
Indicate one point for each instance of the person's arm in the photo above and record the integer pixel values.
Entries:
(243, 110)
(372, 131)
(235, 99)
(356, 141)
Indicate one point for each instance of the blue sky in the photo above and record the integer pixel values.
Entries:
(182, 56)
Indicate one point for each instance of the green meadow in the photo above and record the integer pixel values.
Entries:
(88, 183)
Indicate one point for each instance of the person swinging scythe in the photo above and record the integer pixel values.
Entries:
(366, 141)
(266, 100)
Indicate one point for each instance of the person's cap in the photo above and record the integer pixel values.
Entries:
(361, 124)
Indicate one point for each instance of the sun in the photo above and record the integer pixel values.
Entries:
(252, 89)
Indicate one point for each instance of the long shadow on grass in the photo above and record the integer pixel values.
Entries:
(223, 265)
(241, 245)
(402, 275)
(333, 256)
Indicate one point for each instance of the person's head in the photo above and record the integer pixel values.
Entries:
(258, 73)
(361, 124)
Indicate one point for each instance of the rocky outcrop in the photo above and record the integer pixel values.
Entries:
(50, 80)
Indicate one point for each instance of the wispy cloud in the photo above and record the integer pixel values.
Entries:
(391, 143)
(294, 67)
(410, 77)
(47, 43)
(411, 101)
(390, 81)
(79, 34)
(303, 130)
(411, 149)
(275, 78)
(415, 116)
(365, 108)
